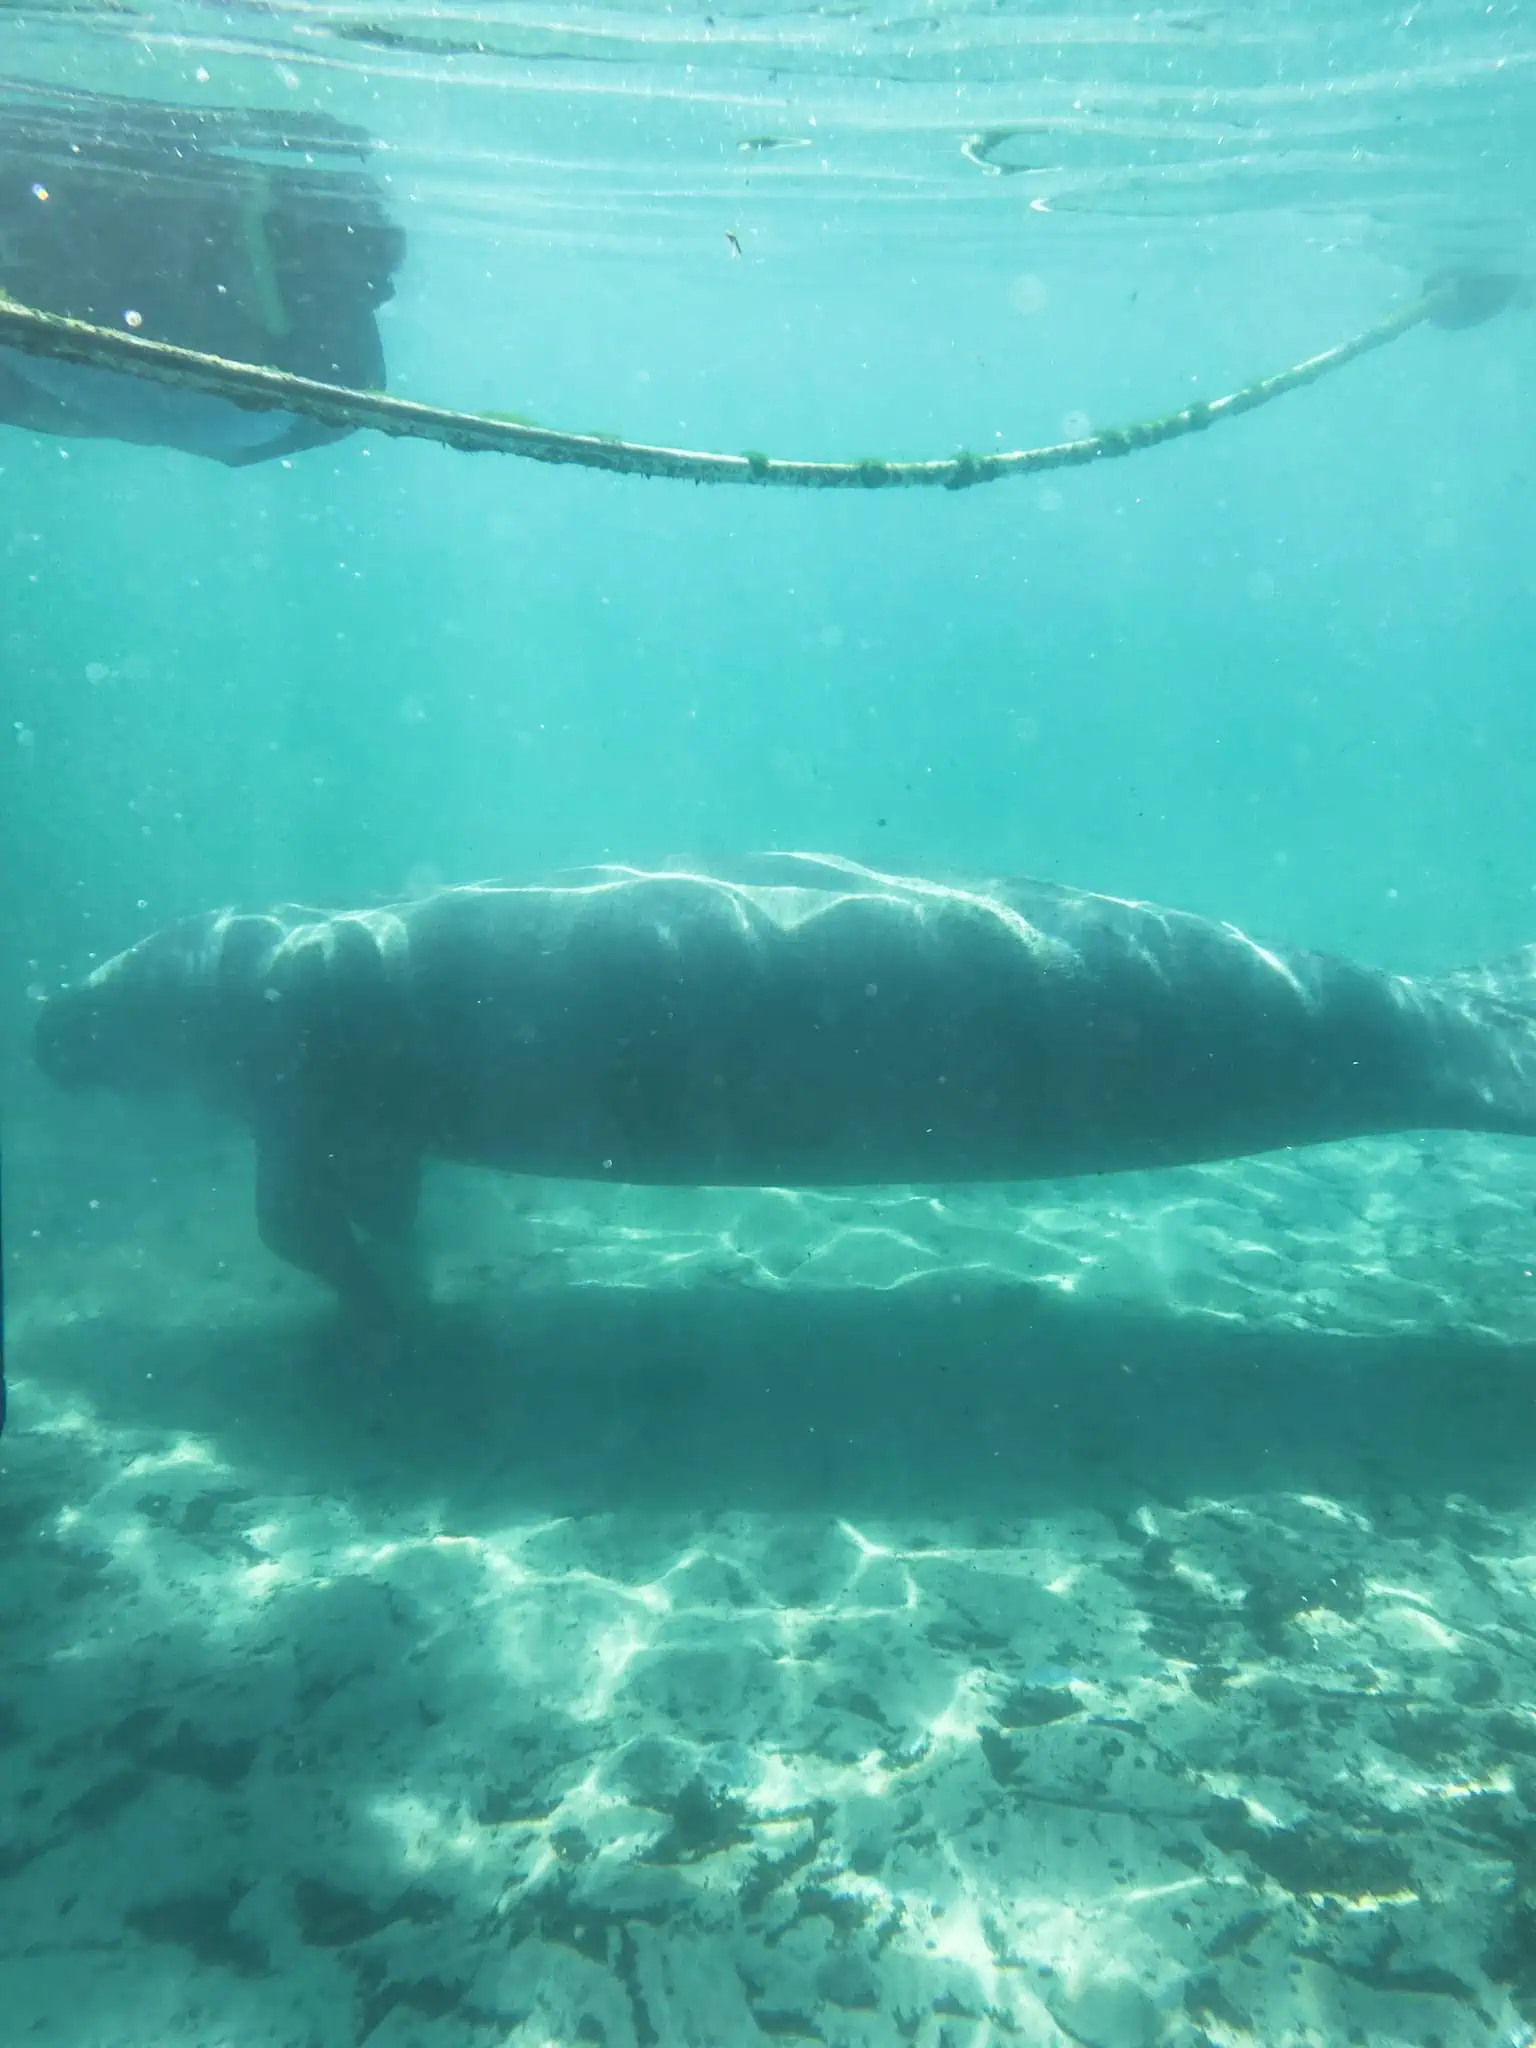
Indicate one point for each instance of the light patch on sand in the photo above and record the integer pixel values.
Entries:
(287, 1721)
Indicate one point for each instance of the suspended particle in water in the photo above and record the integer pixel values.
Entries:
(1029, 294)
(39, 191)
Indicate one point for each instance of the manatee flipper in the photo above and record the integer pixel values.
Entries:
(332, 1209)
(381, 1185)
(301, 1213)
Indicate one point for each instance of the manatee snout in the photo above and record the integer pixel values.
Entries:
(67, 1041)
(112, 1037)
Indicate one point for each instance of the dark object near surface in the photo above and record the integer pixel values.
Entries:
(258, 237)
(1473, 296)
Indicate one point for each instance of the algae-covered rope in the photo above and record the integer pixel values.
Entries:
(1458, 301)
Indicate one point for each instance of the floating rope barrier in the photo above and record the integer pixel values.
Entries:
(1462, 301)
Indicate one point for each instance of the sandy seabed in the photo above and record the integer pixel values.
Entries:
(1098, 1615)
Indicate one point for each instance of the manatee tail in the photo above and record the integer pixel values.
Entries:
(1489, 1021)
(1509, 982)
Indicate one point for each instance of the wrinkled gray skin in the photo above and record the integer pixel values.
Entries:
(829, 1027)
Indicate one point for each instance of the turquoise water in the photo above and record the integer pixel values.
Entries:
(1094, 1613)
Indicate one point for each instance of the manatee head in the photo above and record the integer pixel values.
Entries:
(156, 1017)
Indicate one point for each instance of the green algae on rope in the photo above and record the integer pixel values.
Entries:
(1458, 301)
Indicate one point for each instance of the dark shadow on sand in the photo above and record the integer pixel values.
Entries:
(904, 1404)
(991, 1408)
